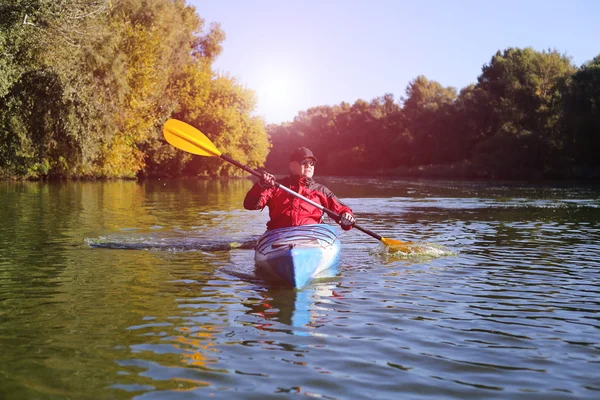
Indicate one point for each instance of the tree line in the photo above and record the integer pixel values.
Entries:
(531, 115)
(86, 86)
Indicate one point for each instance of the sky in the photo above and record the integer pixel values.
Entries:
(305, 53)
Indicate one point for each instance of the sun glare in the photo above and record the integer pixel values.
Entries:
(279, 94)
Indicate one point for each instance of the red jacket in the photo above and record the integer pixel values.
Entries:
(286, 210)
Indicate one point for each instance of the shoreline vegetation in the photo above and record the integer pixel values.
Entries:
(86, 86)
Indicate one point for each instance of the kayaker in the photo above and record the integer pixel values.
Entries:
(286, 210)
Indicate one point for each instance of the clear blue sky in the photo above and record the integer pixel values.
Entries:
(304, 53)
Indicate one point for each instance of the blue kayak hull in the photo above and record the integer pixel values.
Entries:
(297, 254)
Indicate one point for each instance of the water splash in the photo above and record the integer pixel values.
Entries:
(168, 243)
(413, 251)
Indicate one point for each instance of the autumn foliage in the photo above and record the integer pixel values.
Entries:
(89, 84)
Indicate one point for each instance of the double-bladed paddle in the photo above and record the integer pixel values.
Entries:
(187, 138)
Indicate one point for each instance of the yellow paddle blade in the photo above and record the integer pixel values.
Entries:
(392, 242)
(396, 245)
(188, 138)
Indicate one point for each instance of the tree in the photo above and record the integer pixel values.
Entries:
(582, 118)
(524, 90)
(426, 108)
(87, 85)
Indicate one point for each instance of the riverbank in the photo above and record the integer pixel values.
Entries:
(464, 170)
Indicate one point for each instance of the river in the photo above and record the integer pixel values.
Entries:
(168, 307)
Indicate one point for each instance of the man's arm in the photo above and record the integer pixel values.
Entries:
(261, 192)
(347, 219)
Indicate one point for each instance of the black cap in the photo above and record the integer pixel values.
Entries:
(302, 153)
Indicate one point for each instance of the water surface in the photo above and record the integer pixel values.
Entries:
(176, 312)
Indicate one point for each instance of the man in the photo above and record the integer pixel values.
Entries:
(287, 210)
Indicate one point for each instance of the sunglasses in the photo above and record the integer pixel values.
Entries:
(307, 163)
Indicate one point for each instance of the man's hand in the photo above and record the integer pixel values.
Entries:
(267, 180)
(347, 220)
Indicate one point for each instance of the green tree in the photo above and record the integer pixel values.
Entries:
(347, 139)
(36, 119)
(315, 128)
(582, 119)
(19, 47)
(426, 111)
(524, 89)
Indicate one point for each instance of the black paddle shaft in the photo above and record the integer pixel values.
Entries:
(240, 165)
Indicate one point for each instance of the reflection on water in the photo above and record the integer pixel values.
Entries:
(177, 312)
(295, 309)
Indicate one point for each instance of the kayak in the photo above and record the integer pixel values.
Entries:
(297, 254)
